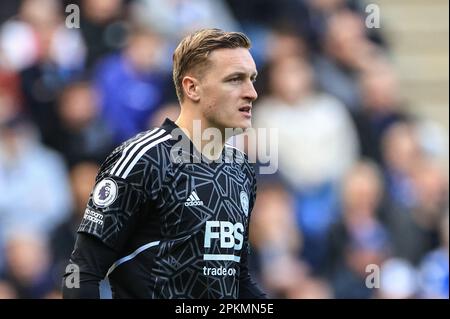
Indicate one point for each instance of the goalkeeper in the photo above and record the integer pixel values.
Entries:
(168, 216)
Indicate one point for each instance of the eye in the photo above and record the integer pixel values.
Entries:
(235, 80)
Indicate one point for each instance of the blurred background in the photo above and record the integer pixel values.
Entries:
(363, 134)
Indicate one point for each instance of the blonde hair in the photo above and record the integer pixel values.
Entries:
(194, 49)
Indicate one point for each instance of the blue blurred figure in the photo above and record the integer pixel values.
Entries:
(130, 84)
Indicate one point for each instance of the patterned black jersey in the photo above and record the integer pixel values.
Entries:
(178, 223)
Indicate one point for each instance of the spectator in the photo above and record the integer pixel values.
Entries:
(381, 107)
(59, 59)
(434, 269)
(415, 230)
(359, 239)
(346, 51)
(277, 240)
(28, 265)
(177, 18)
(401, 155)
(142, 85)
(33, 183)
(83, 134)
(103, 28)
(321, 130)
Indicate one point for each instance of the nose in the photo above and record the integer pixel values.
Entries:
(250, 92)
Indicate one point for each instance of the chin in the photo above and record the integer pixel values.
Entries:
(243, 124)
(247, 124)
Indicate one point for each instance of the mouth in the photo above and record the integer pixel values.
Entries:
(246, 111)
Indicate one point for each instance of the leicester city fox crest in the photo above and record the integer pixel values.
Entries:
(244, 202)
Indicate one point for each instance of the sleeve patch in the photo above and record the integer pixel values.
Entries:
(105, 193)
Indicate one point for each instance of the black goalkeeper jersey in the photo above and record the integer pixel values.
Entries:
(178, 224)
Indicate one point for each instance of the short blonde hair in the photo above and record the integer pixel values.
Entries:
(194, 49)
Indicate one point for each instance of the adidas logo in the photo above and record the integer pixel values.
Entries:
(193, 200)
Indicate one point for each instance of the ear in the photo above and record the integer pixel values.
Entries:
(191, 88)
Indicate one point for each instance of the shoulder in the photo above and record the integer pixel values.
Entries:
(240, 157)
(236, 152)
(149, 148)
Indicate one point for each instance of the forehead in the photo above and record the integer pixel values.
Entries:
(233, 60)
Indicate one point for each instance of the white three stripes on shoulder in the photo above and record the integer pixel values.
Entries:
(129, 151)
(129, 158)
(142, 152)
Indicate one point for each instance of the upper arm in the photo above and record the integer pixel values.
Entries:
(127, 182)
(112, 210)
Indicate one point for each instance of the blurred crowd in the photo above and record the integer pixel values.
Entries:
(361, 182)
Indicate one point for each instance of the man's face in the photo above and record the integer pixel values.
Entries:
(226, 89)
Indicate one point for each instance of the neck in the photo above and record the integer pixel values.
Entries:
(206, 138)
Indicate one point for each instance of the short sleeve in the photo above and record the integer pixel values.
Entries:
(112, 211)
(128, 180)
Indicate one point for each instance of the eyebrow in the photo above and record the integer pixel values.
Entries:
(242, 74)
